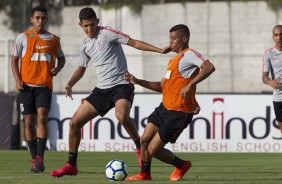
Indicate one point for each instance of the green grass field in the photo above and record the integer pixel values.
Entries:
(212, 168)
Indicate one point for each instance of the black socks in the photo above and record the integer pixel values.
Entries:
(72, 158)
(146, 167)
(177, 162)
(32, 145)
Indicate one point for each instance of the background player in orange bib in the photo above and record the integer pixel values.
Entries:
(34, 64)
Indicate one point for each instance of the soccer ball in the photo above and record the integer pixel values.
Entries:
(116, 170)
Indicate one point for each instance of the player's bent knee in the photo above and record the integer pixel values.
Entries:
(74, 125)
(122, 118)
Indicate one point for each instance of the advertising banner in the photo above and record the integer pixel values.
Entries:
(226, 123)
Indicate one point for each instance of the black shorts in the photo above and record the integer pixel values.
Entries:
(278, 110)
(170, 123)
(104, 100)
(32, 98)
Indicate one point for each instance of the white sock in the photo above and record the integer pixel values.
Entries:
(24, 143)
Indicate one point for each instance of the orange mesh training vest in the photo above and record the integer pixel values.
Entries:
(173, 82)
(39, 59)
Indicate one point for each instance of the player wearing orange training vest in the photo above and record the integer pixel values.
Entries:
(37, 50)
(39, 58)
(178, 106)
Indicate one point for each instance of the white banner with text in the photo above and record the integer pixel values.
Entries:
(226, 123)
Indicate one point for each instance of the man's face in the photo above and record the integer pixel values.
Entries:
(177, 41)
(277, 37)
(90, 27)
(39, 20)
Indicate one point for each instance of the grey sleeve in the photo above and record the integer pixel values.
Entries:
(189, 63)
(84, 57)
(116, 36)
(194, 57)
(19, 45)
(266, 62)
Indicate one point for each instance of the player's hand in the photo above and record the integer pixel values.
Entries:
(68, 91)
(54, 71)
(275, 84)
(165, 50)
(19, 85)
(184, 91)
(129, 77)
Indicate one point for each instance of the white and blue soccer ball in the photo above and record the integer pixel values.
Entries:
(116, 170)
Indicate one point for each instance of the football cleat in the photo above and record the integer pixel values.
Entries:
(140, 176)
(178, 173)
(39, 164)
(33, 166)
(67, 169)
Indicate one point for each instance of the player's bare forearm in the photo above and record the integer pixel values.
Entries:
(15, 68)
(275, 84)
(155, 86)
(77, 75)
(265, 78)
(206, 70)
(16, 73)
(140, 45)
(61, 63)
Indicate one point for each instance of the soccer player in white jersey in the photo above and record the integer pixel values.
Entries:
(272, 65)
(102, 48)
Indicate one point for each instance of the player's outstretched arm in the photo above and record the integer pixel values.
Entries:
(155, 86)
(140, 45)
(76, 76)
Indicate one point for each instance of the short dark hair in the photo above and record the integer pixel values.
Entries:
(86, 14)
(277, 27)
(181, 28)
(39, 8)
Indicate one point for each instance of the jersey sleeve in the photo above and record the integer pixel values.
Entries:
(194, 57)
(84, 57)
(266, 62)
(116, 36)
(190, 62)
(19, 45)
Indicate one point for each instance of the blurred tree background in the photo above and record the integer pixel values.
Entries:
(19, 11)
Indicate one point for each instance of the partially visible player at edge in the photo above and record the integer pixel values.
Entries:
(37, 50)
(272, 65)
(173, 115)
(103, 48)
